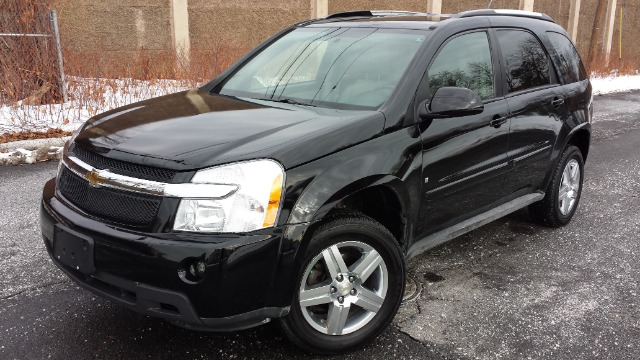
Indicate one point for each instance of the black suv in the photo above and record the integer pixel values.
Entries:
(296, 184)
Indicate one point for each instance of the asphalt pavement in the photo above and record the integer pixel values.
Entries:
(511, 289)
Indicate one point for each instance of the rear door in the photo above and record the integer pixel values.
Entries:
(464, 158)
(573, 76)
(535, 102)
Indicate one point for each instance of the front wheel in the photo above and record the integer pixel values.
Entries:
(563, 195)
(350, 287)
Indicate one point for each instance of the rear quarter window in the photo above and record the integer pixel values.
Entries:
(571, 67)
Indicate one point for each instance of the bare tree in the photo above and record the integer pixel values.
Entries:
(597, 25)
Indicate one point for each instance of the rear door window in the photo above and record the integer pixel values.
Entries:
(571, 67)
(526, 64)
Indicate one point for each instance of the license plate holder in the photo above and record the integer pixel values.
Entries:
(73, 250)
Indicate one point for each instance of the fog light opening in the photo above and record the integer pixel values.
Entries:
(192, 270)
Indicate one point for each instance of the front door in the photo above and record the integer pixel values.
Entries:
(464, 158)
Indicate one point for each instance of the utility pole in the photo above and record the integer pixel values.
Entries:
(611, 18)
(434, 6)
(526, 5)
(597, 26)
(319, 9)
(180, 32)
(574, 19)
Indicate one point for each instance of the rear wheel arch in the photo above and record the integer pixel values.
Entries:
(582, 140)
(579, 136)
(564, 189)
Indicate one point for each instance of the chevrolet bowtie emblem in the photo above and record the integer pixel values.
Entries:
(94, 178)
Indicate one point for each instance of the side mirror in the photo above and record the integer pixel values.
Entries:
(451, 102)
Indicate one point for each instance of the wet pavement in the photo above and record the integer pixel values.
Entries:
(511, 289)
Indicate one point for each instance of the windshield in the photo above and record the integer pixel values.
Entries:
(344, 68)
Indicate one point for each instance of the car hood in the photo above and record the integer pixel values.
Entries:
(195, 129)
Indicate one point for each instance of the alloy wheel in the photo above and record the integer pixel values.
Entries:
(343, 288)
(569, 187)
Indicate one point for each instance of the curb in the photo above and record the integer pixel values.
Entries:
(31, 151)
(34, 144)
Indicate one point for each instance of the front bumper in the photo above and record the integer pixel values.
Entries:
(145, 272)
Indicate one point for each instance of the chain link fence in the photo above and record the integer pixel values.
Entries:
(31, 68)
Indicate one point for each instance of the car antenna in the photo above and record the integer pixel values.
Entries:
(489, 6)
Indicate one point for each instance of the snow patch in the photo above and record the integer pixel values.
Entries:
(614, 84)
(89, 97)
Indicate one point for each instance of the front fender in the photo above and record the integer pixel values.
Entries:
(393, 160)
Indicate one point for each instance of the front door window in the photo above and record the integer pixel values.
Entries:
(465, 61)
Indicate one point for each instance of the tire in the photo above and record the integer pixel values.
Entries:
(557, 209)
(367, 280)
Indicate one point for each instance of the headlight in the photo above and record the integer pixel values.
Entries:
(253, 206)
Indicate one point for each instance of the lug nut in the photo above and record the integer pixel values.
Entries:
(353, 291)
(340, 278)
(201, 267)
(352, 278)
(340, 299)
(333, 290)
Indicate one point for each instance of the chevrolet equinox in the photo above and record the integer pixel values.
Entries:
(295, 185)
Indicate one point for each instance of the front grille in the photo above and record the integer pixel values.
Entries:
(124, 168)
(119, 206)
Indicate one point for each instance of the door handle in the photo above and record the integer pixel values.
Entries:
(557, 101)
(498, 121)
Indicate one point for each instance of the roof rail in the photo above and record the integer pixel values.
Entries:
(358, 13)
(373, 13)
(504, 12)
(397, 13)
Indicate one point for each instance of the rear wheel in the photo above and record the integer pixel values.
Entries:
(349, 289)
(563, 195)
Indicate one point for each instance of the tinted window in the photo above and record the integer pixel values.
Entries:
(464, 62)
(526, 63)
(345, 68)
(571, 67)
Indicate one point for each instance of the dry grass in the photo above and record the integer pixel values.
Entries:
(624, 66)
(96, 84)
(30, 135)
(29, 70)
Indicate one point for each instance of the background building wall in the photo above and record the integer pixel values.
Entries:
(347, 5)
(452, 7)
(118, 29)
(115, 28)
(242, 23)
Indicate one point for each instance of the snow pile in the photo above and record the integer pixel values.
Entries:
(88, 98)
(23, 156)
(613, 84)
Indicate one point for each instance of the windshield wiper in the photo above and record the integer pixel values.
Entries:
(290, 101)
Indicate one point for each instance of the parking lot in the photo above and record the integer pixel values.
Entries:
(510, 289)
